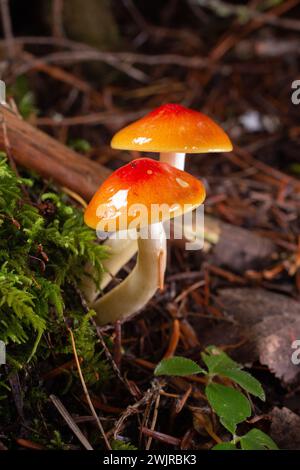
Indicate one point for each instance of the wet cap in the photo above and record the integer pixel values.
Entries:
(173, 128)
(132, 196)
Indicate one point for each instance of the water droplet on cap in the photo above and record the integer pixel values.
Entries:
(182, 183)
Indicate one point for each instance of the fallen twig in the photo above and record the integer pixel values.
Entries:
(85, 390)
(70, 422)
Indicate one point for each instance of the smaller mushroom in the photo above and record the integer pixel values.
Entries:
(140, 196)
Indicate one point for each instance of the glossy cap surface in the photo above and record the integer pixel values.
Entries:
(141, 193)
(173, 128)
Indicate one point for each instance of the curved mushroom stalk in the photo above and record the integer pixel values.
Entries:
(174, 159)
(120, 252)
(140, 285)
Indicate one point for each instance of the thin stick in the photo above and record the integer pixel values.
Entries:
(75, 196)
(85, 390)
(70, 422)
(180, 404)
(29, 444)
(154, 419)
(57, 18)
(135, 409)
(109, 357)
(187, 291)
(91, 119)
(174, 339)
(161, 270)
(159, 436)
(7, 28)
(118, 344)
(88, 55)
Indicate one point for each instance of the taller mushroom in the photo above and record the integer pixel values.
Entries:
(173, 130)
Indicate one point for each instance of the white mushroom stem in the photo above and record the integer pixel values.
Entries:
(174, 159)
(138, 288)
(120, 252)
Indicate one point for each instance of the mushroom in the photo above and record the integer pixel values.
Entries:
(156, 192)
(173, 130)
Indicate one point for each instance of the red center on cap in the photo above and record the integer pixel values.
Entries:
(132, 195)
(173, 128)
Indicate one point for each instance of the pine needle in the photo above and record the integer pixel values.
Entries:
(86, 393)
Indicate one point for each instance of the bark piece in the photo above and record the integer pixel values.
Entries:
(271, 322)
(239, 249)
(252, 305)
(285, 428)
(37, 151)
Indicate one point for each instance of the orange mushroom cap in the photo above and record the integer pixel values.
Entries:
(141, 193)
(173, 128)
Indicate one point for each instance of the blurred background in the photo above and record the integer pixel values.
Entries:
(81, 71)
(103, 63)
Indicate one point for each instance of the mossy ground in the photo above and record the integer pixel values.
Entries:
(44, 246)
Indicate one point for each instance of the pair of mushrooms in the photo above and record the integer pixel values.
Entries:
(172, 130)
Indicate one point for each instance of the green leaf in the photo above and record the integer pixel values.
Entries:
(245, 380)
(257, 440)
(225, 446)
(219, 363)
(216, 360)
(231, 406)
(179, 366)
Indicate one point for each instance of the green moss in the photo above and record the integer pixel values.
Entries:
(44, 246)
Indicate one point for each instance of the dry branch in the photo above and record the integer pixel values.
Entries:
(37, 151)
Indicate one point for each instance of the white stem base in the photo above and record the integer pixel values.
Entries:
(140, 285)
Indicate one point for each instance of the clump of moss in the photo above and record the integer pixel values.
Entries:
(44, 246)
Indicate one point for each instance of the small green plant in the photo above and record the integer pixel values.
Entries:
(230, 404)
(117, 444)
